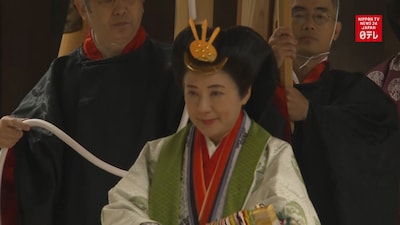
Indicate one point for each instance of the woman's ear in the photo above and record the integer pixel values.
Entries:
(246, 97)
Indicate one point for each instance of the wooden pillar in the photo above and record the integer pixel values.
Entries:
(256, 14)
(204, 10)
(71, 41)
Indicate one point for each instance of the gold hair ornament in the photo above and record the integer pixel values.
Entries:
(203, 51)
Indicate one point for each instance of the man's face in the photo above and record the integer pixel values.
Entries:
(313, 25)
(113, 21)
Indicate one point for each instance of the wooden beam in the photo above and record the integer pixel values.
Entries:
(204, 10)
(256, 14)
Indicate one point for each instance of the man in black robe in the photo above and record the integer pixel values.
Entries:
(345, 135)
(112, 95)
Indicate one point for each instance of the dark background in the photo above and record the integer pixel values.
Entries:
(31, 33)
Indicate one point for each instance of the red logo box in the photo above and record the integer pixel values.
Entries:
(368, 28)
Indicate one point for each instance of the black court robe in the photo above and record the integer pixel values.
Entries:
(111, 107)
(347, 150)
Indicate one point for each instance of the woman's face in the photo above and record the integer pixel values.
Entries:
(213, 103)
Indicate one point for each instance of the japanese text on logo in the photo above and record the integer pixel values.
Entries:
(368, 28)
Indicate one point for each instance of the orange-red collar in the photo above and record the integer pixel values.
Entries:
(90, 50)
(207, 182)
(315, 73)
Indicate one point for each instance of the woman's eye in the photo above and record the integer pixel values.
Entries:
(105, 1)
(191, 93)
(216, 93)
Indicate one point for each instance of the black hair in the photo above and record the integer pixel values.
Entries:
(249, 56)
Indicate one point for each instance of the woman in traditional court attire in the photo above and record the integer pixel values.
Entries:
(222, 164)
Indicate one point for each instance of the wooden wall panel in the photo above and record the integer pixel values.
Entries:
(256, 14)
(204, 10)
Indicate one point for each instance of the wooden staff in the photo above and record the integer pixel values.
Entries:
(283, 17)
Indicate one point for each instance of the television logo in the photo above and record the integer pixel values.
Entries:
(368, 28)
